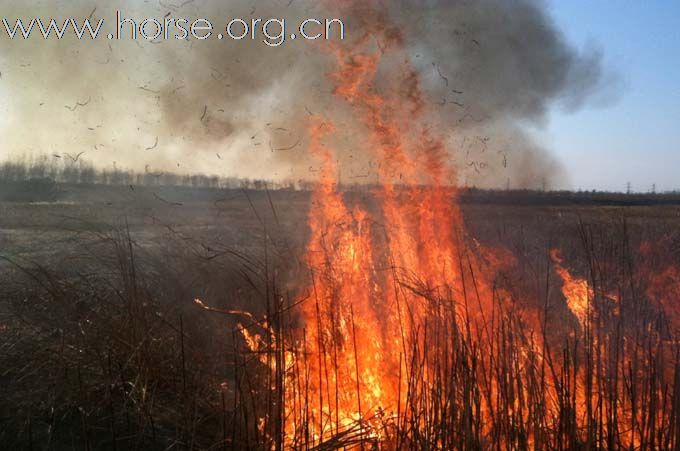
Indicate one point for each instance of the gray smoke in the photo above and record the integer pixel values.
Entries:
(490, 68)
(494, 67)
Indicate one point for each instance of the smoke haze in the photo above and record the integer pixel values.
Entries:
(490, 69)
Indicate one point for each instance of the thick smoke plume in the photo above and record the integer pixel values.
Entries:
(490, 68)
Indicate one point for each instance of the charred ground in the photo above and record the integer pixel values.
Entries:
(103, 347)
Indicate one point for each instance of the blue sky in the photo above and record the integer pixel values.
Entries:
(635, 138)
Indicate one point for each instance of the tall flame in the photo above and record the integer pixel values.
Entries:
(371, 303)
(576, 291)
(402, 323)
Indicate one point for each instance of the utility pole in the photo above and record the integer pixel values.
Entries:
(627, 187)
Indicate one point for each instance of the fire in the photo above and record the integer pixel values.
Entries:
(663, 287)
(576, 291)
(356, 314)
(365, 354)
(350, 374)
(401, 317)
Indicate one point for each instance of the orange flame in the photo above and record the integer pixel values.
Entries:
(383, 282)
(362, 321)
(576, 291)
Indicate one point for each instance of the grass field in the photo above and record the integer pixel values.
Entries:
(103, 347)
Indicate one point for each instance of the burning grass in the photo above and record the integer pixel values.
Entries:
(110, 351)
(400, 327)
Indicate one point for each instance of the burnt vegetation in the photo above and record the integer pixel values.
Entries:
(153, 310)
(102, 345)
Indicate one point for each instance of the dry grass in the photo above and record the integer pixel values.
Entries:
(103, 347)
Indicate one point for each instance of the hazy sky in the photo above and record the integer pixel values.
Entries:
(171, 106)
(637, 137)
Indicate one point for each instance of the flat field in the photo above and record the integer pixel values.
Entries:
(102, 345)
